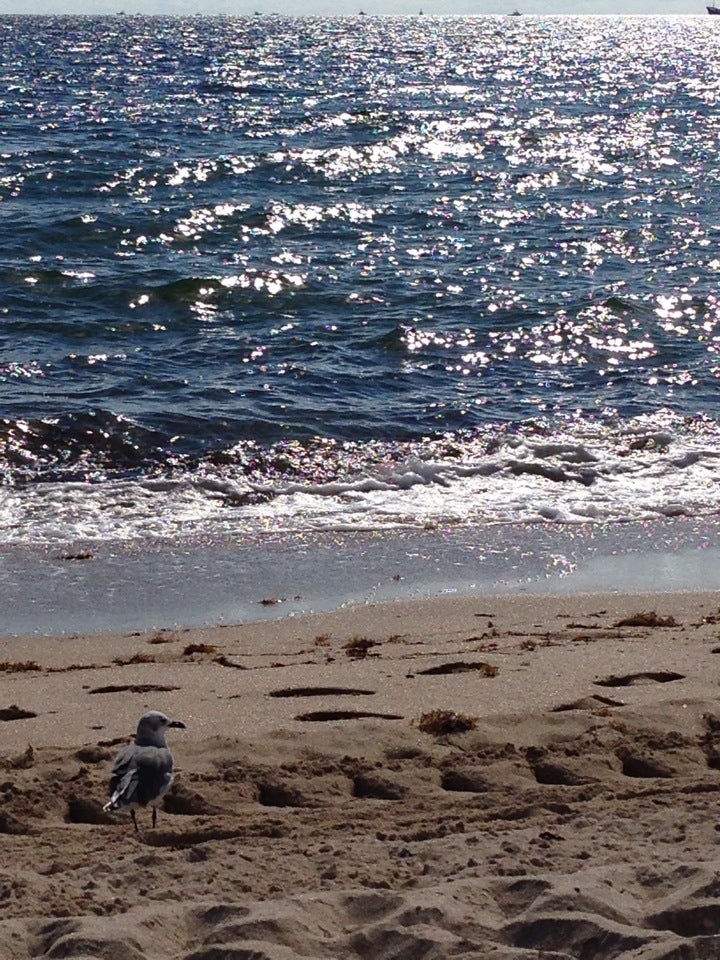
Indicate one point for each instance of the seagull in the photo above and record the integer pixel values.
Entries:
(142, 773)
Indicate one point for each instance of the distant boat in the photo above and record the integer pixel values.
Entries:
(713, 10)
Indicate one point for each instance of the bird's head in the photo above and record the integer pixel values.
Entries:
(151, 728)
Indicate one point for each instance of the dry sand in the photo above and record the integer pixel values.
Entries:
(313, 816)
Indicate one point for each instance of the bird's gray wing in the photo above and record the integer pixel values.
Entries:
(140, 776)
(122, 776)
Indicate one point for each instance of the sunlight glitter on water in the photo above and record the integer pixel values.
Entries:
(398, 231)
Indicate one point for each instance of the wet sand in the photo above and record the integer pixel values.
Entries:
(505, 777)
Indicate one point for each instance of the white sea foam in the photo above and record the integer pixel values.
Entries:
(634, 471)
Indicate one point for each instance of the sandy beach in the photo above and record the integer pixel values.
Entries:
(486, 777)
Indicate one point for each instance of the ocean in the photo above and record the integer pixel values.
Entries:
(302, 311)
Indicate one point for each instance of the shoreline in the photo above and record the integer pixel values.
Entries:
(90, 587)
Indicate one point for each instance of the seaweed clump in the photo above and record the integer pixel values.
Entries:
(442, 722)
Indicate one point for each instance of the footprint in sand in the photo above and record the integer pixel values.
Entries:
(323, 716)
(628, 679)
(134, 688)
(16, 713)
(593, 702)
(460, 666)
(321, 692)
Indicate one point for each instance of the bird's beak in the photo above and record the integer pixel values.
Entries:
(177, 723)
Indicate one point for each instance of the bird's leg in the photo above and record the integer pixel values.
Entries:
(132, 814)
(154, 820)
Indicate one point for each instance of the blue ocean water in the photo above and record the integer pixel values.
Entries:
(300, 275)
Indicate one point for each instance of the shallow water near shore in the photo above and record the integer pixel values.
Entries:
(96, 588)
